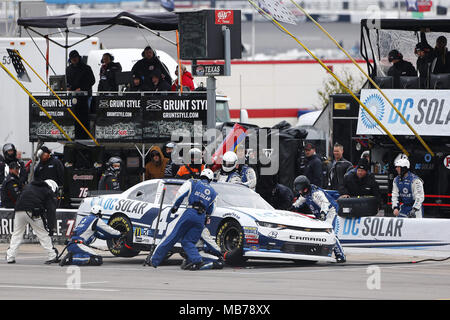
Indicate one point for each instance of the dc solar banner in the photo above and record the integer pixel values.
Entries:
(40, 126)
(427, 111)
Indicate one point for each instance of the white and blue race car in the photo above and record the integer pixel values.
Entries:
(242, 222)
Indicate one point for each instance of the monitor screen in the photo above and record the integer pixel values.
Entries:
(124, 78)
(58, 82)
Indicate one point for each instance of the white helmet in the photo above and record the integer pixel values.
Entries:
(402, 163)
(52, 184)
(97, 210)
(195, 156)
(207, 173)
(229, 161)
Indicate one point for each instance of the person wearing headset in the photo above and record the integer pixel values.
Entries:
(108, 73)
(143, 70)
(400, 67)
(49, 167)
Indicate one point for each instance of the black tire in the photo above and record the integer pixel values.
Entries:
(230, 239)
(122, 248)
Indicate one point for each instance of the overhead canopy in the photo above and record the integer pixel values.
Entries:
(435, 25)
(164, 21)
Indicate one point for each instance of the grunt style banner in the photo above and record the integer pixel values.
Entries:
(42, 127)
(427, 111)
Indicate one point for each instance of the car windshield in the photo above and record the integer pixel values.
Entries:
(229, 195)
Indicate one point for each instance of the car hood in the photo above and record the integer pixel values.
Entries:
(283, 217)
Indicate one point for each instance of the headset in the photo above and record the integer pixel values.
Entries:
(111, 57)
(145, 49)
(394, 55)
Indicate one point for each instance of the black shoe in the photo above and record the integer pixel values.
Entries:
(54, 260)
(66, 260)
(148, 262)
(191, 265)
(341, 259)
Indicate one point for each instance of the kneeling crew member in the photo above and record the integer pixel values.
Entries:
(408, 189)
(90, 228)
(189, 225)
(36, 206)
(322, 205)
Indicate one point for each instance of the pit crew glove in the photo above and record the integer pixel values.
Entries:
(412, 213)
(173, 209)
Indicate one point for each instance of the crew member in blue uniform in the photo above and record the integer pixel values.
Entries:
(408, 189)
(322, 205)
(189, 225)
(90, 228)
(233, 172)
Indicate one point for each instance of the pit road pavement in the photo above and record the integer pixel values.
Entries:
(366, 275)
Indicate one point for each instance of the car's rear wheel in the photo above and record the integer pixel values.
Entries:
(122, 247)
(230, 239)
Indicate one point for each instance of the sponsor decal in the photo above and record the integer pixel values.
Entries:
(224, 16)
(87, 177)
(427, 111)
(373, 226)
(305, 238)
(447, 162)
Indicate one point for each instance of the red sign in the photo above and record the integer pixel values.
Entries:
(224, 16)
(424, 6)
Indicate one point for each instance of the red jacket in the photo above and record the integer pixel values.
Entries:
(186, 80)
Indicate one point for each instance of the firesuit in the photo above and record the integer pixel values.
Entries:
(408, 189)
(188, 226)
(322, 205)
(90, 228)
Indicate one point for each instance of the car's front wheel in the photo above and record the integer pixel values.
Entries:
(122, 247)
(230, 239)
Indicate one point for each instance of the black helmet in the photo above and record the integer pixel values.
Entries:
(301, 183)
(111, 162)
(9, 156)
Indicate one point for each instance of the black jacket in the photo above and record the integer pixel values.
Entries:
(367, 186)
(282, 197)
(336, 173)
(80, 76)
(38, 195)
(162, 85)
(11, 189)
(23, 174)
(51, 169)
(313, 170)
(108, 77)
(143, 70)
(401, 69)
(109, 181)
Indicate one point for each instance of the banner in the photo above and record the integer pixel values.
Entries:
(427, 111)
(119, 118)
(167, 114)
(373, 232)
(65, 223)
(42, 127)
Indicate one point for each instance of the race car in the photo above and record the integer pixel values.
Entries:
(243, 223)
